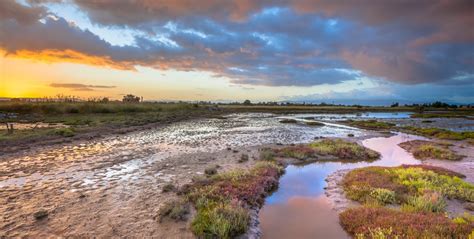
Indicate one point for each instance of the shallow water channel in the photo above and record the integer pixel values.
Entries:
(93, 188)
(300, 209)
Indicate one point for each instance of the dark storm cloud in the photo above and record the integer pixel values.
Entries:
(276, 43)
(9, 9)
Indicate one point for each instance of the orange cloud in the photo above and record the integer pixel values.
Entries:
(53, 56)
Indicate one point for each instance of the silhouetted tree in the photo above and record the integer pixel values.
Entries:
(131, 98)
(247, 102)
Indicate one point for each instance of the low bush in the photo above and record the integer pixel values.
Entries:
(416, 186)
(365, 222)
(176, 210)
(222, 201)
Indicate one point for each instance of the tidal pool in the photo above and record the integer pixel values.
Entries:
(300, 209)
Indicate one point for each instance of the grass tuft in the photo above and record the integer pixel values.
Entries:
(176, 210)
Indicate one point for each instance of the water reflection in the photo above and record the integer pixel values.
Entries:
(300, 209)
(301, 217)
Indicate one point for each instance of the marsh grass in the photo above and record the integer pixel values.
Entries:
(459, 114)
(440, 133)
(85, 117)
(343, 149)
(411, 185)
(435, 152)
(338, 149)
(223, 201)
(367, 222)
(370, 124)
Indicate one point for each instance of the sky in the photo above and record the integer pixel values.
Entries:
(365, 52)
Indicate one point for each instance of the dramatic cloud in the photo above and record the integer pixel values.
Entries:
(80, 87)
(274, 43)
(9, 9)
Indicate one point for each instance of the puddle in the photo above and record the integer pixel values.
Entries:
(300, 209)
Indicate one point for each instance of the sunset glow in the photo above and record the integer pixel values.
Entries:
(280, 51)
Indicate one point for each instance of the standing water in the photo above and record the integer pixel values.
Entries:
(300, 209)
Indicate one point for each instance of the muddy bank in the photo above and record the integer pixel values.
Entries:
(113, 208)
(335, 193)
(86, 134)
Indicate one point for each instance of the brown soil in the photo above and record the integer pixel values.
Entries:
(115, 209)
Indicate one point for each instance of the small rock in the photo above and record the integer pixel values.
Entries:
(40, 214)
